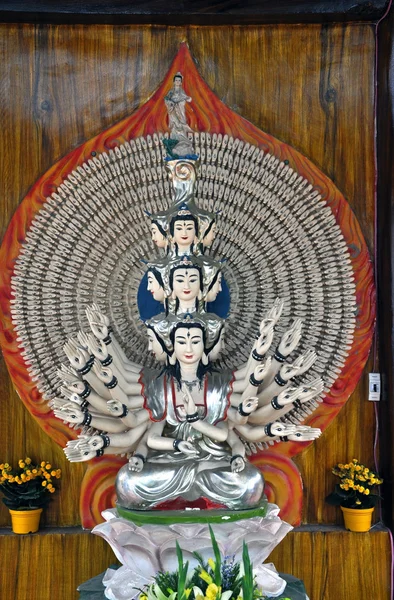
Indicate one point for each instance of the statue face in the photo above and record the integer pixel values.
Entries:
(155, 288)
(177, 82)
(184, 233)
(188, 345)
(157, 237)
(208, 239)
(215, 289)
(186, 283)
(155, 347)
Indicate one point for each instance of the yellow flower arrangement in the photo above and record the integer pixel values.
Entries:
(355, 487)
(28, 486)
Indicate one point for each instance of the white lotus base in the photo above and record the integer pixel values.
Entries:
(144, 550)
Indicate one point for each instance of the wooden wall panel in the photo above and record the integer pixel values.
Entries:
(334, 564)
(310, 86)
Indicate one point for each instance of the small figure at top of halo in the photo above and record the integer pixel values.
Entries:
(178, 145)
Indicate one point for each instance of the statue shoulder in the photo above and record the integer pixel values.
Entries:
(154, 392)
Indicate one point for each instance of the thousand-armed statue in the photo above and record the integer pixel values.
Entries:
(186, 425)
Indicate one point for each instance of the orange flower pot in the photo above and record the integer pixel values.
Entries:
(357, 519)
(25, 521)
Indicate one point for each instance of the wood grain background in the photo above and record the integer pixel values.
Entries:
(334, 564)
(310, 86)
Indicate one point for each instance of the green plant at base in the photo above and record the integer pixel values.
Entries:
(219, 579)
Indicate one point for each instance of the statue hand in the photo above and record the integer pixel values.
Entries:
(97, 324)
(71, 395)
(261, 370)
(265, 340)
(96, 347)
(305, 361)
(89, 443)
(287, 371)
(310, 390)
(290, 338)
(98, 315)
(74, 453)
(136, 464)
(105, 374)
(115, 407)
(188, 402)
(187, 448)
(75, 354)
(305, 434)
(99, 330)
(83, 339)
(273, 315)
(288, 396)
(69, 414)
(279, 428)
(238, 464)
(250, 404)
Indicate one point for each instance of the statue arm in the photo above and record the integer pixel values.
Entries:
(287, 400)
(218, 433)
(237, 461)
(98, 402)
(130, 419)
(242, 413)
(127, 438)
(287, 344)
(137, 461)
(285, 374)
(156, 441)
(108, 424)
(259, 350)
(70, 413)
(116, 392)
(99, 324)
(277, 407)
(237, 447)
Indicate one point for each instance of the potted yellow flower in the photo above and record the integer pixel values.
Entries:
(354, 494)
(27, 490)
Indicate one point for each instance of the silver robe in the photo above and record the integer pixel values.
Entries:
(168, 475)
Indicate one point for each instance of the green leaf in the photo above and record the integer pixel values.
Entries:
(158, 593)
(182, 570)
(217, 575)
(333, 499)
(247, 580)
(200, 560)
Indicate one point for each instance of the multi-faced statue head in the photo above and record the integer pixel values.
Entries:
(159, 237)
(209, 235)
(155, 284)
(214, 288)
(188, 339)
(218, 346)
(188, 342)
(156, 345)
(184, 231)
(186, 284)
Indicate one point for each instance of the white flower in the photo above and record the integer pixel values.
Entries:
(268, 580)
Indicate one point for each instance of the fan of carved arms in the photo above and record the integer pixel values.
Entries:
(284, 229)
(88, 242)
